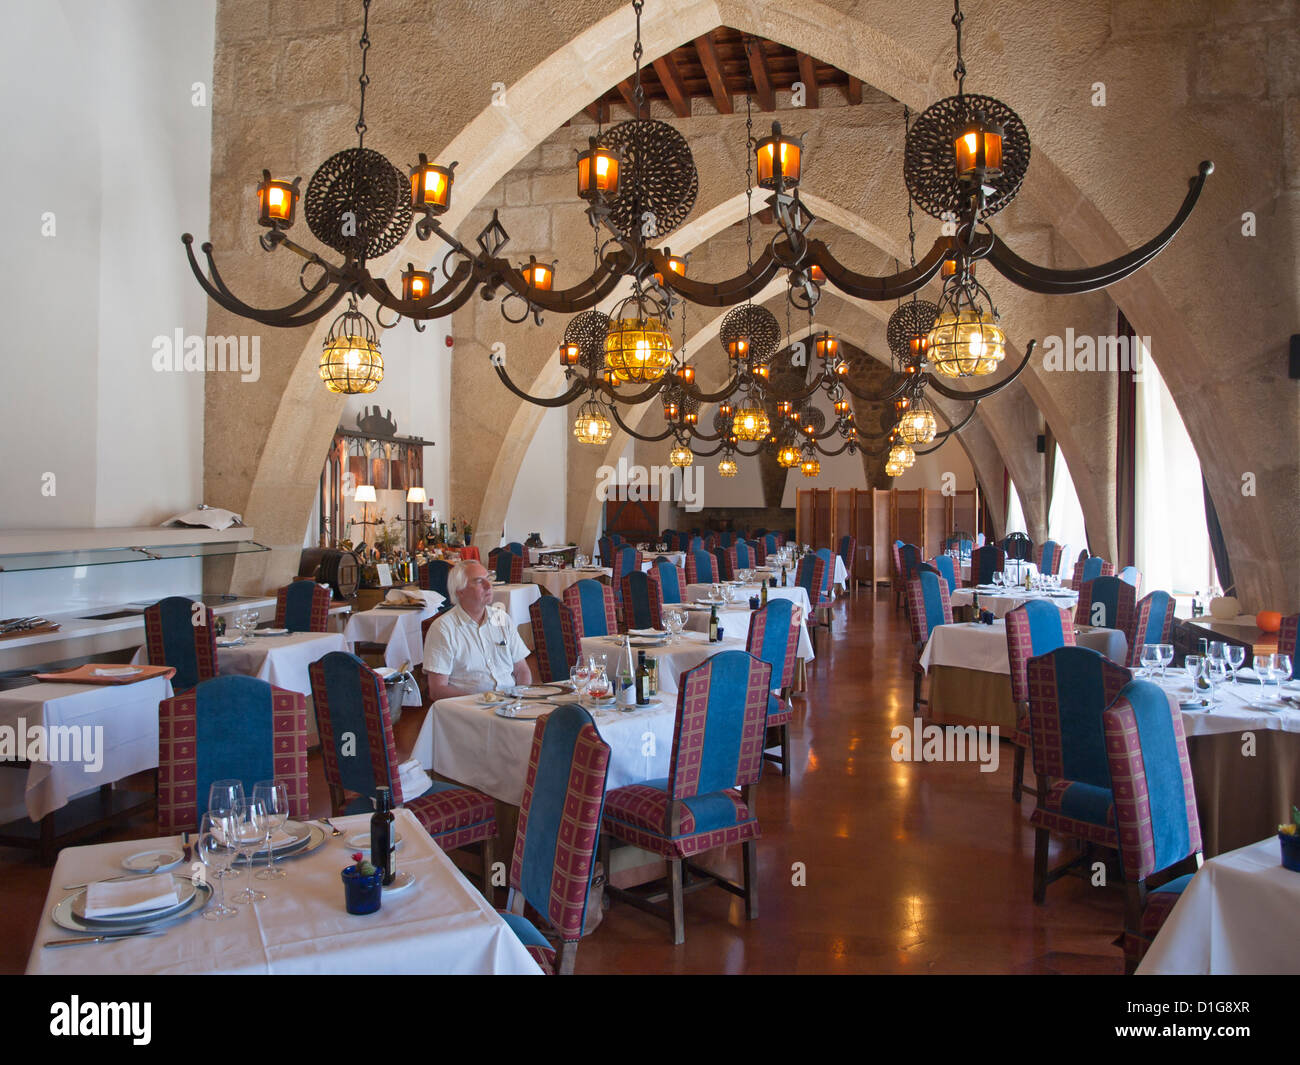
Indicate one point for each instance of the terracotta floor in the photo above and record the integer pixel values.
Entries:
(908, 868)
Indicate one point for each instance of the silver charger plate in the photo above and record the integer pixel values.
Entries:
(63, 917)
(524, 713)
(159, 861)
(76, 909)
(315, 840)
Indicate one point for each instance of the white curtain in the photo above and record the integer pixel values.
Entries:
(1015, 514)
(1171, 544)
(1065, 522)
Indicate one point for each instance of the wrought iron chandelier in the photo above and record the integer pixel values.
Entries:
(965, 159)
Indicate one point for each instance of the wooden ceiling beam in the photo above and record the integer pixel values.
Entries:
(625, 90)
(808, 75)
(762, 79)
(671, 79)
(707, 51)
(854, 90)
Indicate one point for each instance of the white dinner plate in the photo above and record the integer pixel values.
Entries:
(647, 641)
(532, 691)
(154, 861)
(270, 632)
(524, 711)
(361, 842)
(401, 882)
(63, 916)
(184, 893)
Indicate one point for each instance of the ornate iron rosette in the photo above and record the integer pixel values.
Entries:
(913, 318)
(722, 423)
(811, 419)
(588, 331)
(358, 203)
(928, 164)
(759, 325)
(657, 175)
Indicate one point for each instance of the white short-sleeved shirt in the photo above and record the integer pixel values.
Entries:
(474, 657)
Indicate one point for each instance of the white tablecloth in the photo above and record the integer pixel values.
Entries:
(734, 618)
(1001, 603)
(440, 925)
(397, 630)
(1014, 567)
(556, 580)
(516, 599)
(466, 741)
(126, 714)
(1240, 914)
(535, 554)
(280, 660)
(967, 645)
(1233, 711)
(674, 659)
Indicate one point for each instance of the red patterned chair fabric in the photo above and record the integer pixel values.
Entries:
(1118, 597)
(555, 846)
(319, 612)
(169, 624)
(230, 707)
(350, 697)
(717, 748)
(1153, 622)
(637, 608)
(1020, 649)
(1286, 642)
(1107, 568)
(928, 606)
(555, 638)
(781, 652)
(693, 573)
(1155, 810)
(572, 598)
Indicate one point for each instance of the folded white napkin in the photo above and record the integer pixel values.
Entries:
(402, 597)
(413, 779)
(646, 632)
(110, 898)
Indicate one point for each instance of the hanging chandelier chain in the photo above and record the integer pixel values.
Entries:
(638, 92)
(749, 179)
(959, 72)
(364, 80)
(911, 214)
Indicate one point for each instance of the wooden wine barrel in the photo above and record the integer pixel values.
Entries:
(338, 569)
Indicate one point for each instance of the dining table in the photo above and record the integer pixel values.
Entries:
(397, 628)
(125, 717)
(1001, 600)
(1239, 915)
(970, 673)
(438, 924)
(465, 739)
(555, 579)
(515, 599)
(1014, 568)
(734, 615)
(674, 656)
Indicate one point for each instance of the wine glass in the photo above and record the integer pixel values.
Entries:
(244, 831)
(274, 797)
(216, 857)
(1236, 658)
(224, 798)
(596, 663)
(1264, 670)
(1166, 651)
(677, 622)
(1192, 666)
(580, 674)
(599, 686)
(1282, 666)
(1150, 658)
(1216, 670)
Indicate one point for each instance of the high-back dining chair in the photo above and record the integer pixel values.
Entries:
(928, 607)
(770, 544)
(1089, 567)
(1153, 622)
(1286, 642)
(828, 557)
(509, 567)
(1033, 628)
(1049, 557)
(701, 567)
(743, 555)
(555, 638)
(1131, 575)
(516, 548)
(359, 756)
(810, 575)
(1155, 809)
(559, 829)
(1068, 690)
(1017, 545)
(594, 610)
(303, 606)
(605, 549)
(774, 638)
(948, 571)
(643, 606)
(433, 576)
(627, 559)
(1107, 603)
(848, 552)
(672, 581)
(726, 539)
(986, 561)
(233, 727)
(173, 639)
(726, 559)
(706, 801)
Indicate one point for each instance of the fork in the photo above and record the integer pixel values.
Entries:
(333, 831)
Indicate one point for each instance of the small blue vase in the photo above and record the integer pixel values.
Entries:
(1290, 852)
(362, 894)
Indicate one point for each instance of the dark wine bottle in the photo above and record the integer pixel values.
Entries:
(383, 855)
(642, 680)
(713, 624)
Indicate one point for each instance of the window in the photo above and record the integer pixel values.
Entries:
(1015, 513)
(1065, 522)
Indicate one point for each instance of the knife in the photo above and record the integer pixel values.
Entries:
(106, 938)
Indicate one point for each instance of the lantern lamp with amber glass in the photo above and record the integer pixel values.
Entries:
(431, 186)
(416, 284)
(918, 424)
(751, 421)
(350, 361)
(966, 342)
(277, 201)
(592, 425)
(638, 349)
(811, 466)
(681, 456)
(788, 456)
(598, 172)
(779, 160)
(539, 275)
(727, 467)
(977, 150)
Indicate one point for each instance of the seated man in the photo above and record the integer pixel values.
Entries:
(474, 646)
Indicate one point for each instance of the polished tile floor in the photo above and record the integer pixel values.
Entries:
(866, 865)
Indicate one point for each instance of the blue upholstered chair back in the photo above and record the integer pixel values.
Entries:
(559, 823)
(1050, 559)
(1158, 606)
(806, 577)
(1046, 632)
(616, 539)
(943, 563)
(233, 734)
(591, 595)
(1092, 567)
(438, 569)
(744, 555)
(725, 539)
(778, 619)
(696, 544)
(515, 548)
(179, 649)
(1107, 592)
(911, 557)
(605, 548)
(548, 622)
(505, 563)
(828, 574)
(769, 543)
(667, 574)
(933, 599)
(636, 601)
(626, 557)
(1080, 698)
(1130, 575)
(704, 564)
(297, 605)
(729, 692)
(351, 695)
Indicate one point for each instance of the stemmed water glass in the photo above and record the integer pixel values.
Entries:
(1264, 670)
(274, 797)
(1282, 664)
(216, 856)
(1217, 671)
(225, 797)
(245, 830)
(580, 674)
(1192, 666)
(1166, 652)
(1150, 658)
(676, 622)
(1236, 658)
